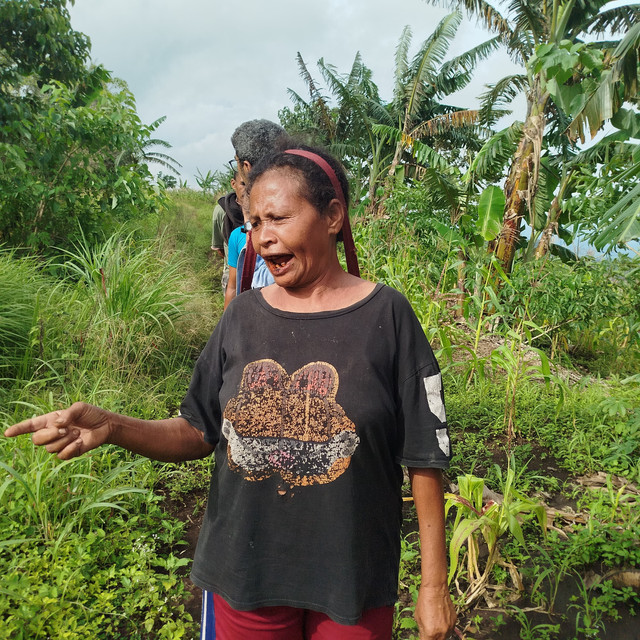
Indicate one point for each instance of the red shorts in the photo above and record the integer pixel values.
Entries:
(221, 622)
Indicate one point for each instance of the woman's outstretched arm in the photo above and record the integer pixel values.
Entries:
(82, 427)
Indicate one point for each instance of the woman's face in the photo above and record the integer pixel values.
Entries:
(295, 240)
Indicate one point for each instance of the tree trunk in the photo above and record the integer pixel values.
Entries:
(522, 182)
(549, 231)
(555, 211)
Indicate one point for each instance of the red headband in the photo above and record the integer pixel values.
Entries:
(347, 238)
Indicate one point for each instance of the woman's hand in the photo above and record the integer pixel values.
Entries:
(68, 433)
(82, 427)
(435, 613)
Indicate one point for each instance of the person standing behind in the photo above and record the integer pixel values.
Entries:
(227, 216)
(236, 255)
(252, 141)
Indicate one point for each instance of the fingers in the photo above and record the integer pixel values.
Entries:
(53, 420)
(72, 450)
(35, 424)
(49, 436)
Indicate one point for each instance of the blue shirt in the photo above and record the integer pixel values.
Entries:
(261, 274)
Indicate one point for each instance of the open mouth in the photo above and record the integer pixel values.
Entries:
(278, 263)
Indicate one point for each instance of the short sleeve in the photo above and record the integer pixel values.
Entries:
(237, 240)
(201, 405)
(217, 238)
(425, 436)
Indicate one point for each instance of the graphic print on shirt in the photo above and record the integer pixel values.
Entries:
(289, 426)
(433, 387)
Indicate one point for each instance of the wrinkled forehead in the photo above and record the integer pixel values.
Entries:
(289, 175)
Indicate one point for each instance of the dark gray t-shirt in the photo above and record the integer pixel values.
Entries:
(311, 415)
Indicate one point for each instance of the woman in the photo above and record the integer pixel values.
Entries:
(312, 392)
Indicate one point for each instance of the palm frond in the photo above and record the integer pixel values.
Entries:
(347, 98)
(156, 123)
(163, 160)
(488, 15)
(500, 94)
(156, 141)
(443, 189)
(305, 74)
(401, 64)
(319, 101)
(297, 99)
(423, 67)
(387, 133)
(497, 151)
(614, 20)
(446, 122)
(421, 152)
(613, 144)
(427, 156)
(528, 16)
(455, 74)
(358, 72)
(625, 226)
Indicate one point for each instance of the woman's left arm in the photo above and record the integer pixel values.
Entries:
(435, 613)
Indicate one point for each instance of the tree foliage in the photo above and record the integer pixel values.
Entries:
(38, 42)
(73, 151)
(575, 82)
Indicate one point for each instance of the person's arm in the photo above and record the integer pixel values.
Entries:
(82, 427)
(217, 238)
(230, 291)
(435, 613)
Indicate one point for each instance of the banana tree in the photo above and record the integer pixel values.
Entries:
(547, 26)
(342, 117)
(420, 86)
(366, 131)
(594, 186)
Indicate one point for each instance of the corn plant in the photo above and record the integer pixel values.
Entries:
(477, 521)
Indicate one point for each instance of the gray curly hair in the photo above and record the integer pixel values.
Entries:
(256, 138)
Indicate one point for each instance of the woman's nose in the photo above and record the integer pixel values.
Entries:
(264, 236)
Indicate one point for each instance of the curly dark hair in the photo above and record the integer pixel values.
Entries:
(315, 185)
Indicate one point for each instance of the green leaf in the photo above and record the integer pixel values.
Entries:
(566, 255)
(628, 121)
(626, 224)
(463, 531)
(447, 233)
(490, 212)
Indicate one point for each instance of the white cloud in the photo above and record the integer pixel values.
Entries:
(208, 66)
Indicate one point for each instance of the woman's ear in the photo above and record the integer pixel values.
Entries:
(335, 214)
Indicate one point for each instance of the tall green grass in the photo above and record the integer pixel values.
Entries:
(20, 282)
(87, 550)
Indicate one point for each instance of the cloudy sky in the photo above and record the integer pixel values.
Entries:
(208, 65)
